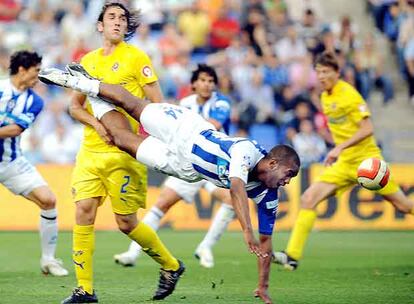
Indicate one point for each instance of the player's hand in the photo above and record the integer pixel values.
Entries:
(103, 133)
(332, 156)
(253, 245)
(262, 294)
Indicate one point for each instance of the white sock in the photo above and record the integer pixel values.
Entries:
(48, 233)
(152, 218)
(221, 220)
(84, 85)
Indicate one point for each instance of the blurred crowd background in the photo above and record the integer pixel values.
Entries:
(263, 51)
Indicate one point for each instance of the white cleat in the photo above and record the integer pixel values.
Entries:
(205, 255)
(125, 259)
(53, 267)
(56, 77)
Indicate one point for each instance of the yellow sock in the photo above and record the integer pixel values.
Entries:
(151, 244)
(303, 226)
(83, 248)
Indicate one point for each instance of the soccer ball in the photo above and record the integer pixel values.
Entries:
(373, 173)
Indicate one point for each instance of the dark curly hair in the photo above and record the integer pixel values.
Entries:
(204, 68)
(133, 17)
(25, 59)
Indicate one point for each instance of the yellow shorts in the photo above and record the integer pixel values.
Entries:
(344, 175)
(116, 174)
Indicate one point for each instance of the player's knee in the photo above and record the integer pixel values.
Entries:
(125, 227)
(48, 201)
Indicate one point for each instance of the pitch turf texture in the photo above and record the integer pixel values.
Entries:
(340, 267)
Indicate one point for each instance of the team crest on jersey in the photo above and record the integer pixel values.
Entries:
(147, 71)
(10, 105)
(363, 108)
(115, 67)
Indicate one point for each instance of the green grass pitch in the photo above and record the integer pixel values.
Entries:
(339, 267)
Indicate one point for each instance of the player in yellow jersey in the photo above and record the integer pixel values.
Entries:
(352, 130)
(104, 170)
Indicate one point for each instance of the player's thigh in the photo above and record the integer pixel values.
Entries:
(223, 195)
(182, 189)
(126, 183)
(316, 193)
(399, 200)
(342, 175)
(86, 181)
(21, 177)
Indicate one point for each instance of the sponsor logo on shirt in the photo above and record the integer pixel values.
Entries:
(115, 67)
(272, 204)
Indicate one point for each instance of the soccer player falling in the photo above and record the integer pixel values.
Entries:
(183, 144)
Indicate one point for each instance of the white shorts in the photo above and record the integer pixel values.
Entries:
(172, 132)
(187, 190)
(20, 176)
(100, 107)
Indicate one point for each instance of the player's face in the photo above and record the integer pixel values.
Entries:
(114, 24)
(279, 175)
(327, 76)
(204, 85)
(29, 76)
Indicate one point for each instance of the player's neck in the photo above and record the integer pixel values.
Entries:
(18, 83)
(202, 100)
(109, 47)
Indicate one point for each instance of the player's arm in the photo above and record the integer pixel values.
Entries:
(264, 268)
(77, 111)
(12, 130)
(153, 91)
(365, 130)
(240, 204)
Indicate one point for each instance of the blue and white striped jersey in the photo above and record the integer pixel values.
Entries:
(20, 108)
(217, 107)
(217, 158)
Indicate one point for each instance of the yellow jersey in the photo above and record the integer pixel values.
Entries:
(345, 108)
(126, 65)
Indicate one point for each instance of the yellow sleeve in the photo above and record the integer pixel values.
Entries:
(145, 70)
(358, 108)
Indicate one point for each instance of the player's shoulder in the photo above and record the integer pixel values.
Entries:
(36, 97)
(188, 100)
(88, 57)
(134, 51)
(221, 100)
(4, 83)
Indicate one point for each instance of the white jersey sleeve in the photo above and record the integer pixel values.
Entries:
(243, 158)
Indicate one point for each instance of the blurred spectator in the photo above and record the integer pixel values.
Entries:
(279, 22)
(80, 49)
(44, 32)
(392, 21)
(345, 31)
(257, 105)
(76, 25)
(171, 44)
(309, 29)
(223, 30)
(296, 8)
(61, 144)
(195, 25)
(151, 12)
(309, 145)
(275, 74)
(256, 31)
(302, 112)
(302, 75)
(368, 64)
(10, 10)
(291, 48)
(409, 61)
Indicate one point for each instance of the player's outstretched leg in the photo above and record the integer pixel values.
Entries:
(80, 296)
(168, 281)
